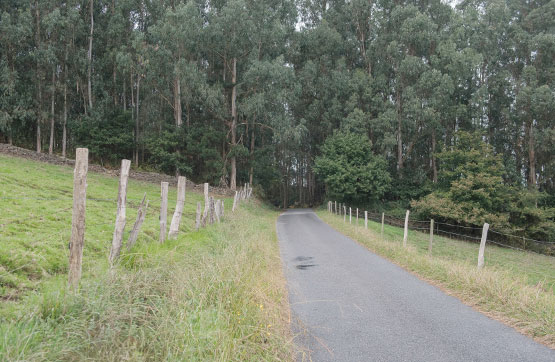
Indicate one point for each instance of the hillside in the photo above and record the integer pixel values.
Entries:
(216, 293)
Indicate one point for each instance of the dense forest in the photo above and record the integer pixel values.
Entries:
(446, 108)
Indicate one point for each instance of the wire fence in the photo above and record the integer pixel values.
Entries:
(462, 232)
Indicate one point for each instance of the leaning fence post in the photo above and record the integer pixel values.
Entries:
(366, 219)
(406, 233)
(431, 236)
(163, 210)
(176, 219)
(78, 216)
(483, 245)
(383, 219)
(138, 222)
(120, 215)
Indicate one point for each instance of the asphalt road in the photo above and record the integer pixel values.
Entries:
(349, 304)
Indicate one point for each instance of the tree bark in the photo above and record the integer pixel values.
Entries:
(89, 55)
(64, 131)
(399, 133)
(177, 110)
(233, 181)
(434, 162)
(251, 172)
(121, 214)
(39, 78)
(136, 156)
(531, 156)
(51, 144)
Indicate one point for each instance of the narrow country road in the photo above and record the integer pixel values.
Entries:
(349, 304)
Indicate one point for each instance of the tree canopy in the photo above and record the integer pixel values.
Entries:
(437, 102)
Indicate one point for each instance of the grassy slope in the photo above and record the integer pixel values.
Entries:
(515, 287)
(215, 294)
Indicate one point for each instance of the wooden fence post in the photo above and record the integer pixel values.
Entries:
(163, 210)
(366, 219)
(336, 208)
(206, 199)
(199, 213)
(218, 210)
(483, 245)
(344, 213)
(138, 222)
(176, 219)
(211, 212)
(350, 215)
(222, 210)
(78, 216)
(406, 233)
(383, 219)
(235, 201)
(431, 236)
(117, 239)
(357, 216)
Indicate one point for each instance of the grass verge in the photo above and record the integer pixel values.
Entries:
(504, 289)
(215, 294)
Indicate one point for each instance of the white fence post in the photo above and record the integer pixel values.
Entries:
(350, 215)
(483, 245)
(357, 216)
(431, 236)
(344, 213)
(406, 233)
(366, 219)
(78, 216)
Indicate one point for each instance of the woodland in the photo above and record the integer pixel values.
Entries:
(446, 108)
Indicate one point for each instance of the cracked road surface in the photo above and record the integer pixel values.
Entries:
(348, 304)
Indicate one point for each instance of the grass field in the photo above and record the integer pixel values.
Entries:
(213, 294)
(514, 286)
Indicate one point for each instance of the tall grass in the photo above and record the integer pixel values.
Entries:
(217, 294)
(502, 290)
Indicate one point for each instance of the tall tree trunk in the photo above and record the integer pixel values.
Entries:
(39, 80)
(531, 155)
(51, 144)
(251, 171)
(177, 111)
(399, 134)
(64, 130)
(89, 86)
(233, 181)
(434, 161)
(124, 96)
(137, 122)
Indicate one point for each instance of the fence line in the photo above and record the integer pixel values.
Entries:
(466, 233)
(213, 213)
